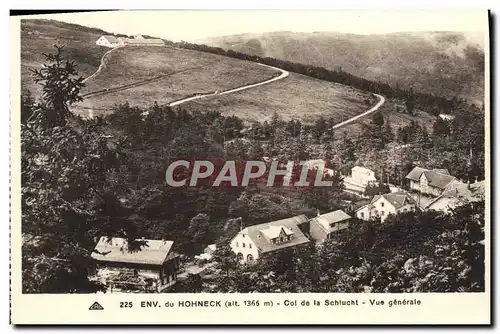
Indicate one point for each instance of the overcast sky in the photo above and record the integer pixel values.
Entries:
(195, 25)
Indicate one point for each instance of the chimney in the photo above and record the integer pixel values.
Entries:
(318, 214)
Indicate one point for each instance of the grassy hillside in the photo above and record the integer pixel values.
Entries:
(187, 72)
(143, 75)
(297, 97)
(447, 64)
(179, 74)
(39, 36)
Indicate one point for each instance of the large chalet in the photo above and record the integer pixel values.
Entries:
(253, 241)
(142, 264)
(430, 182)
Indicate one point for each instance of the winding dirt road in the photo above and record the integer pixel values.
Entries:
(366, 113)
(101, 65)
(283, 75)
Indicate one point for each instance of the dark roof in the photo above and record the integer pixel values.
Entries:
(117, 250)
(415, 174)
(264, 245)
(441, 170)
(468, 192)
(398, 199)
(438, 180)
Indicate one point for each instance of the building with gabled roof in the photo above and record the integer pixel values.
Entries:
(430, 182)
(381, 206)
(253, 241)
(326, 226)
(151, 260)
(458, 194)
(109, 41)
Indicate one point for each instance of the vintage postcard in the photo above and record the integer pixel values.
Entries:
(250, 167)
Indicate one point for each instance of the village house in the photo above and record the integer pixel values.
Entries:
(430, 182)
(207, 254)
(457, 194)
(381, 206)
(447, 117)
(144, 263)
(362, 176)
(253, 241)
(359, 179)
(328, 225)
(108, 41)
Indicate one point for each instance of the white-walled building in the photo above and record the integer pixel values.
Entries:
(108, 41)
(325, 226)
(430, 182)
(253, 241)
(383, 205)
(362, 176)
(113, 42)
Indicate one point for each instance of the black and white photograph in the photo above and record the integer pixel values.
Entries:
(260, 152)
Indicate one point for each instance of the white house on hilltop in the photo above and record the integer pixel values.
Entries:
(108, 41)
(113, 42)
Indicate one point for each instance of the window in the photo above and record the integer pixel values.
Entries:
(250, 246)
(237, 244)
(243, 245)
(249, 258)
(382, 204)
(362, 214)
(239, 257)
(382, 213)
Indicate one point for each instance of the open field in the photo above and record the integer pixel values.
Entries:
(141, 75)
(297, 97)
(39, 36)
(182, 73)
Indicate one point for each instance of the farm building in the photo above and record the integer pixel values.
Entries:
(108, 41)
(113, 42)
(145, 264)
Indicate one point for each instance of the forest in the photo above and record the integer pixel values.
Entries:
(85, 178)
